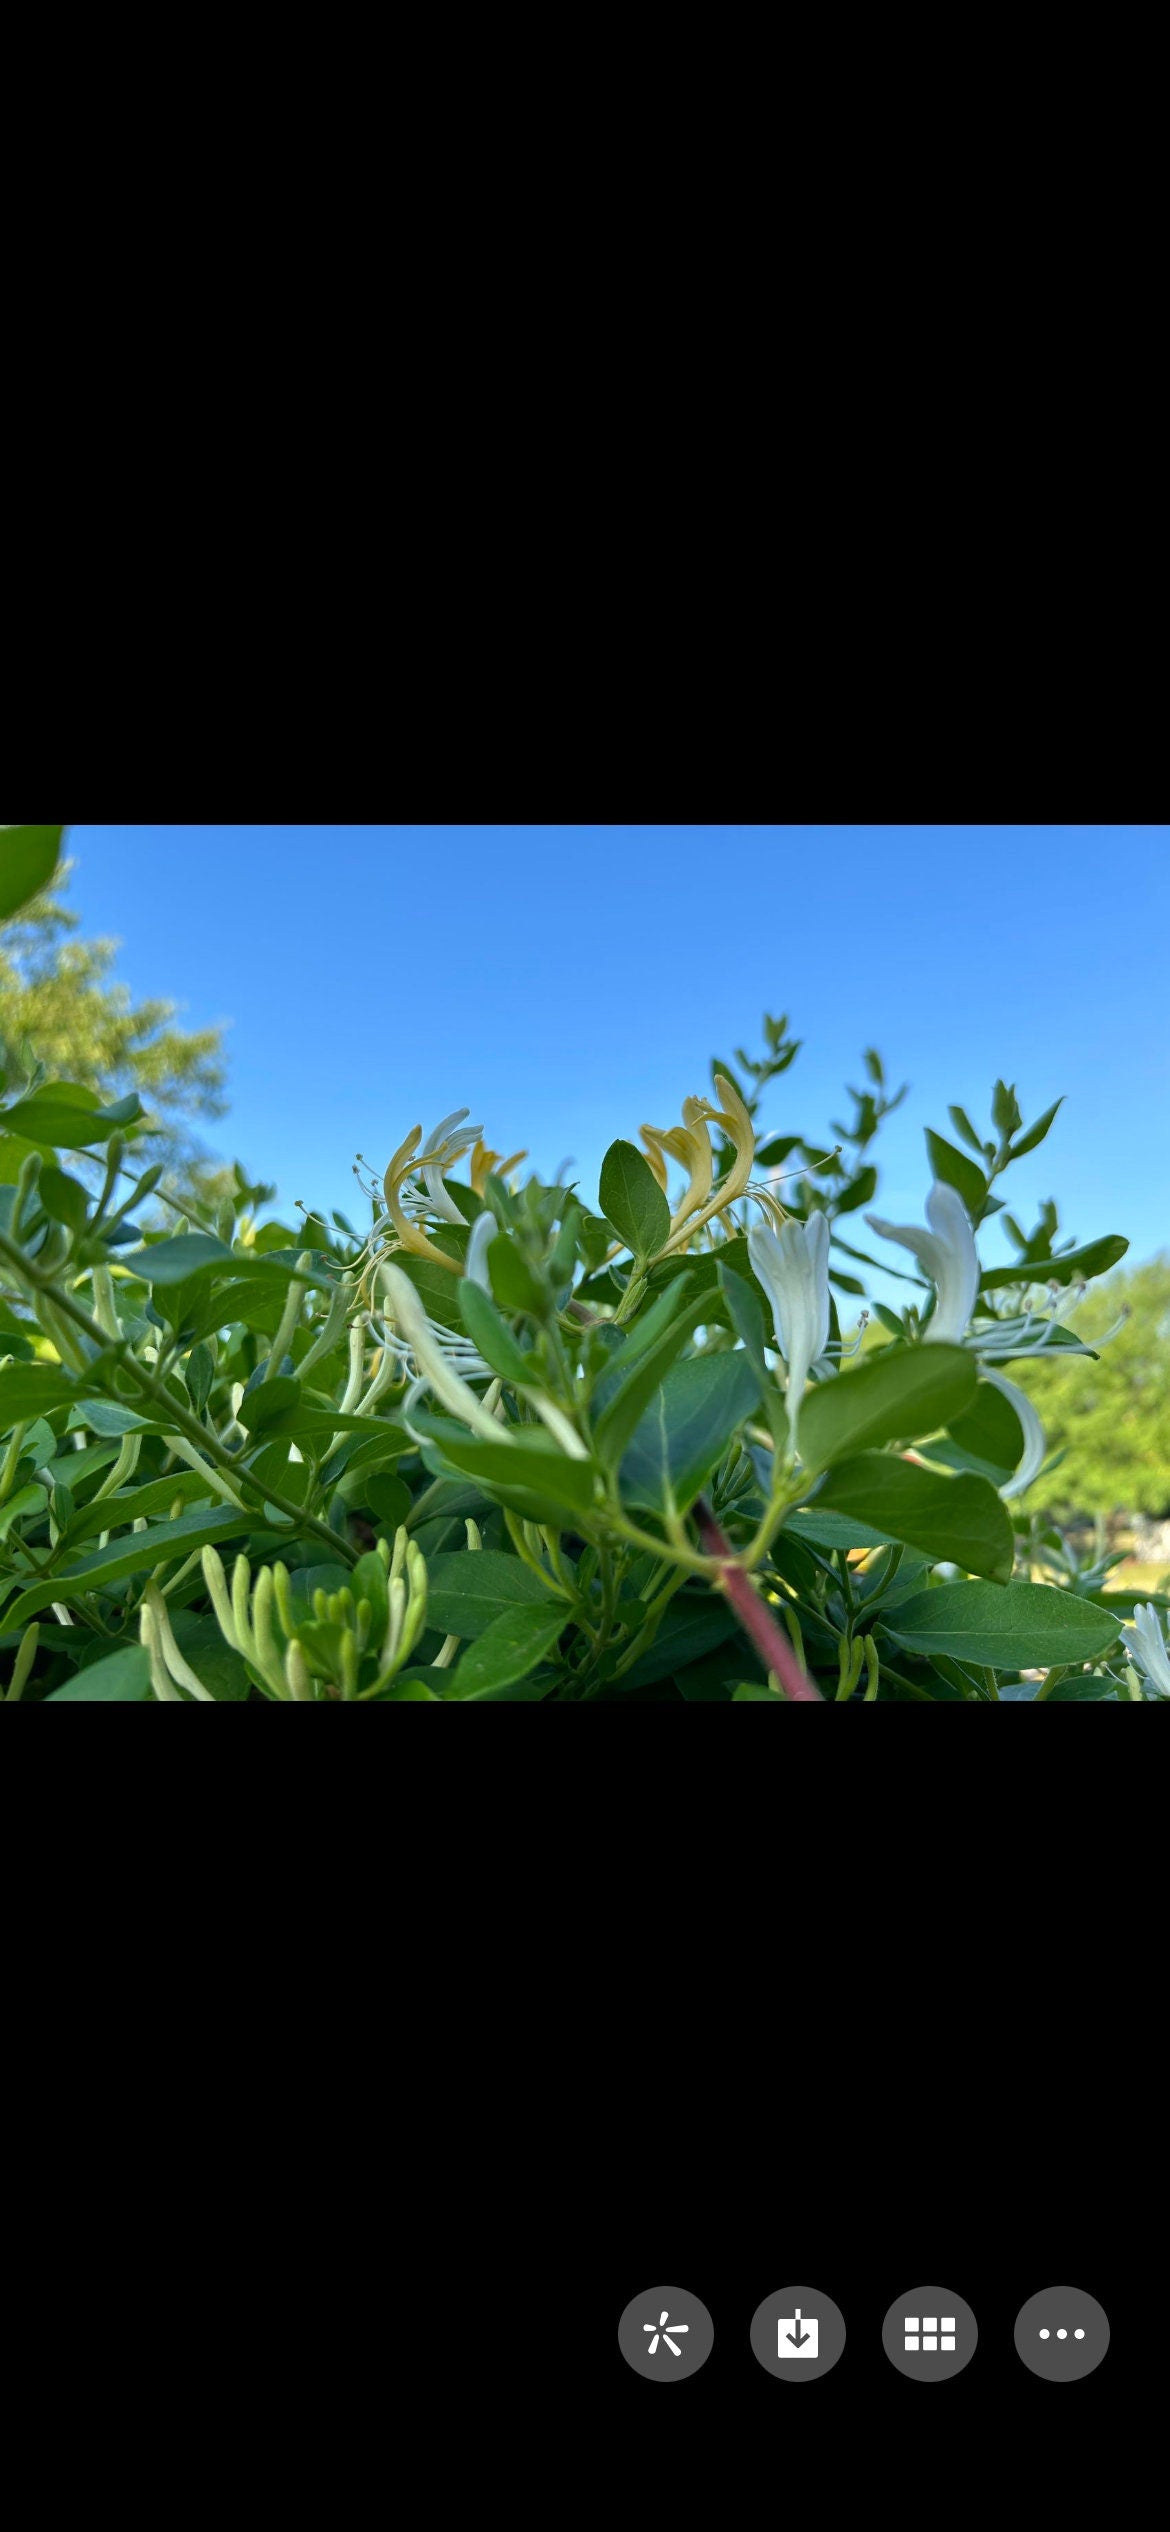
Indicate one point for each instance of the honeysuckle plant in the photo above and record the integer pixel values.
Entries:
(518, 1441)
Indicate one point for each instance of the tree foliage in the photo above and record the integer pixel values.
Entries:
(1110, 1418)
(61, 1007)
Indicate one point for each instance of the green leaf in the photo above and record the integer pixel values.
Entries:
(962, 1125)
(897, 1395)
(633, 1201)
(531, 1463)
(175, 1261)
(389, 1500)
(638, 1371)
(28, 1390)
(694, 1624)
(508, 1650)
(200, 1374)
(1035, 1134)
(368, 1581)
(1093, 1689)
(29, 1499)
(830, 1530)
(469, 1590)
(1005, 1109)
(67, 1116)
(412, 1688)
(141, 1503)
(224, 1674)
(857, 1193)
(1095, 1259)
(989, 1429)
(630, 1343)
(1027, 1626)
(437, 1290)
(122, 1679)
(137, 1555)
(958, 1172)
(746, 1313)
(273, 1405)
(491, 1335)
(960, 1519)
(64, 1199)
(513, 1282)
(28, 858)
(106, 1419)
(683, 1436)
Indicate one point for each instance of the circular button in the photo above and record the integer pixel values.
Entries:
(930, 2333)
(666, 2334)
(1061, 2334)
(797, 2333)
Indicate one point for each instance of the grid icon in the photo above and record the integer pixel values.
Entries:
(935, 2335)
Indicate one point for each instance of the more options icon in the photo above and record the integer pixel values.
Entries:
(1061, 2334)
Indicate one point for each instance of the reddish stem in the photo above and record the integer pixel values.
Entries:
(755, 1618)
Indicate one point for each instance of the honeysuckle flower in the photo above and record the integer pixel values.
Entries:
(1146, 1648)
(438, 1366)
(484, 1165)
(690, 1143)
(947, 1253)
(793, 1267)
(446, 1362)
(404, 1201)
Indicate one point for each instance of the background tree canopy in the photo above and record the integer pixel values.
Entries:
(57, 1001)
(1111, 1417)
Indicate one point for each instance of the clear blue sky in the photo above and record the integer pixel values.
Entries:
(568, 983)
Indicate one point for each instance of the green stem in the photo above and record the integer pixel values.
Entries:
(846, 1586)
(655, 1612)
(11, 1461)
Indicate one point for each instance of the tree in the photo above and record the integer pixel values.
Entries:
(1111, 1417)
(60, 1007)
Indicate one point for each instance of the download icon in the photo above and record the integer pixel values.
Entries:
(797, 2338)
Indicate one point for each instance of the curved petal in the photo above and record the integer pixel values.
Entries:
(1033, 1431)
(958, 1286)
(483, 1232)
(1143, 1641)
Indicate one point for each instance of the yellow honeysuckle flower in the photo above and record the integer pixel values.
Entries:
(442, 1148)
(484, 1165)
(690, 1143)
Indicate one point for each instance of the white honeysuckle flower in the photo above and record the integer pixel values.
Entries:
(793, 1267)
(475, 1264)
(439, 1154)
(947, 1253)
(439, 1365)
(1034, 1443)
(445, 1361)
(1146, 1647)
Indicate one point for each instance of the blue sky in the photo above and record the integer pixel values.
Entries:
(568, 983)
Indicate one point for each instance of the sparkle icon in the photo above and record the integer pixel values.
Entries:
(661, 2331)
